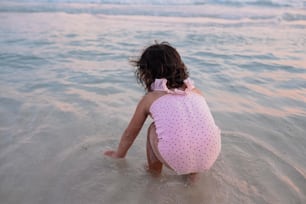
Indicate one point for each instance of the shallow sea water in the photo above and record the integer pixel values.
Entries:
(67, 92)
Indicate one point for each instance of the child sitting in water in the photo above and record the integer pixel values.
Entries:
(183, 136)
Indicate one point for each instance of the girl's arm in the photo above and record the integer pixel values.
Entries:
(132, 130)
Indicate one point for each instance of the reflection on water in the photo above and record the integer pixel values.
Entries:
(67, 92)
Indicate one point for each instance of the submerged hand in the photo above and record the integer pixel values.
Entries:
(112, 154)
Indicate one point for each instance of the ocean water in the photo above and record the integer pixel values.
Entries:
(67, 92)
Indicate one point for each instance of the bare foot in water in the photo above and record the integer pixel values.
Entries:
(153, 172)
(192, 179)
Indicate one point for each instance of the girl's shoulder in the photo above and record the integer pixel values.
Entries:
(153, 95)
(148, 99)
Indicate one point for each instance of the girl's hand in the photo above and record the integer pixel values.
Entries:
(112, 154)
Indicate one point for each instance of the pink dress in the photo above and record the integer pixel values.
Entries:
(188, 138)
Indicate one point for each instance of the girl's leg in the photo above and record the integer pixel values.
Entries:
(192, 178)
(154, 163)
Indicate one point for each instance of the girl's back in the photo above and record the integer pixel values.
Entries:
(188, 139)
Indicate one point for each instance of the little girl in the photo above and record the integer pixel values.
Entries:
(183, 136)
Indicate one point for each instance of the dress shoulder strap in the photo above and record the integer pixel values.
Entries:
(161, 85)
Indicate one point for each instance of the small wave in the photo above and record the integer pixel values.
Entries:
(21, 61)
(261, 3)
(260, 66)
(217, 11)
(129, 10)
(265, 3)
(293, 17)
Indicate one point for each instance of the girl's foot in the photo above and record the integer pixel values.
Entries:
(192, 178)
(153, 172)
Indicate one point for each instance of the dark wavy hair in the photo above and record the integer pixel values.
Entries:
(160, 60)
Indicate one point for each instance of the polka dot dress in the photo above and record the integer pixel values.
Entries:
(188, 138)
